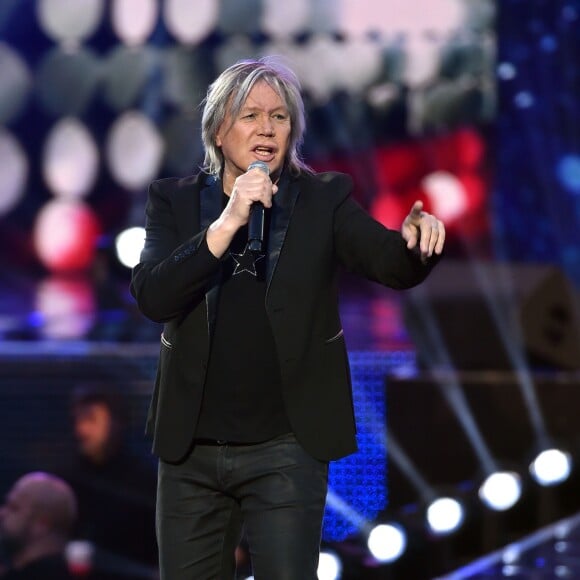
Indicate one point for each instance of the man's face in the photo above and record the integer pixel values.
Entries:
(93, 427)
(16, 520)
(260, 132)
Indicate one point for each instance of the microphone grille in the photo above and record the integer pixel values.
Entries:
(259, 165)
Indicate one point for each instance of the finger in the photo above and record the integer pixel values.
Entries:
(416, 210)
(440, 239)
(428, 235)
(435, 235)
(425, 233)
(412, 239)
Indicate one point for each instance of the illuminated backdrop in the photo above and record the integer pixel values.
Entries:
(98, 98)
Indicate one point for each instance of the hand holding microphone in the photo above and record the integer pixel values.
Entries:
(251, 192)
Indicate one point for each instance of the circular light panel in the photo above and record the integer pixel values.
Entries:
(69, 22)
(134, 150)
(190, 22)
(15, 85)
(71, 159)
(134, 20)
(14, 171)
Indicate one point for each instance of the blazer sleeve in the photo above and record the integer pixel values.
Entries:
(366, 247)
(171, 277)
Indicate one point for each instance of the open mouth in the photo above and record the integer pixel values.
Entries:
(265, 153)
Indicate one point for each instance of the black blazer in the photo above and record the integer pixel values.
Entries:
(315, 227)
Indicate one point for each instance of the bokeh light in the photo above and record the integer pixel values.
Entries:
(65, 235)
(127, 73)
(447, 195)
(568, 172)
(329, 566)
(15, 86)
(66, 306)
(134, 20)
(134, 150)
(190, 22)
(387, 542)
(284, 19)
(69, 22)
(501, 490)
(67, 80)
(128, 246)
(551, 467)
(445, 515)
(71, 159)
(14, 170)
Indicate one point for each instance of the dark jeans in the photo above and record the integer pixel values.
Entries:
(275, 488)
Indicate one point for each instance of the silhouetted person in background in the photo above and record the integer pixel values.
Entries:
(36, 520)
(115, 488)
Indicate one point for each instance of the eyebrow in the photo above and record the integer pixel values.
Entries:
(280, 108)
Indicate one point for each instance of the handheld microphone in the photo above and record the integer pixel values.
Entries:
(257, 214)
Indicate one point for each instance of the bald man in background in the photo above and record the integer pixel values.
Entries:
(35, 522)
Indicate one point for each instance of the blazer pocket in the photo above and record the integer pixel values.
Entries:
(335, 337)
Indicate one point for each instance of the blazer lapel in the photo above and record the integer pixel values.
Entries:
(210, 200)
(282, 207)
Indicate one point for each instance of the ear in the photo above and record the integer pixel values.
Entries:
(218, 140)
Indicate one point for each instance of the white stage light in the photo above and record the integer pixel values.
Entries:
(444, 515)
(551, 467)
(128, 246)
(71, 159)
(501, 490)
(387, 542)
(190, 22)
(134, 150)
(69, 22)
(390, 17)
(329, 566)
(447, 195)
(134, 20)
(283, 19)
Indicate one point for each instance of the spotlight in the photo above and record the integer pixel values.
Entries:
(444, 515)
(387, 542)
(329, 566)
(501, 490)
(128, 245)
(551, 466)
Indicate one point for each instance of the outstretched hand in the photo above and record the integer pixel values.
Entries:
(424, 230)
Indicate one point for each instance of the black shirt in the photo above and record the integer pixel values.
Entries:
(242, 399)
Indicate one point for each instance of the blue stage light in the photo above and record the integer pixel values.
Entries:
(524, 100)
(568, 172)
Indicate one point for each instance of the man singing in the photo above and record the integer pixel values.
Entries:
(253, 395)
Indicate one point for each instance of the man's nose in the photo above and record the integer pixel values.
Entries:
(266, 126)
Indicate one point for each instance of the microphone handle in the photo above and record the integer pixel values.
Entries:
(256, 227)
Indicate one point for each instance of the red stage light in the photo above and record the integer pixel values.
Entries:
(65, 235)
